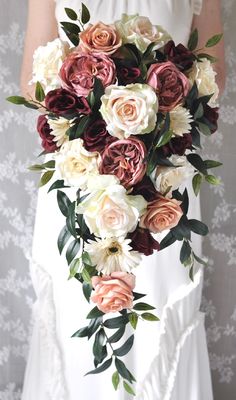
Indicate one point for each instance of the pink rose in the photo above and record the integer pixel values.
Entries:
(100, 38)
(113, 292)
(171, 85)
(161, 214)
(79, 69)
(125, 159)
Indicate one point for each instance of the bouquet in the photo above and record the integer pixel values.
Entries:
(123, 110)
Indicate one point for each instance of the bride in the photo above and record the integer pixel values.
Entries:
(170, 358)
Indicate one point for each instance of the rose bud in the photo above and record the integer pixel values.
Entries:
(171, 85)
(44, 131)
(62, 102)
(146, 189)
(127, 75)
(96, 136)
(177, 145)
(125, 159)
(179, 55)
(212, 115)
(143, 241)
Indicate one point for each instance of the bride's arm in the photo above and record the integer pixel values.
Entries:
(41, 28)
(208, 24)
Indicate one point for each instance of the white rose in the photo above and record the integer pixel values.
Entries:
(170, 178)
(129, 110)
(204, 75)
(59, 128)
(140, 31)
(108, 211)
(75, 164)
(47, 61)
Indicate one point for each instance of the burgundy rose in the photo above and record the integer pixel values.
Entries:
(212, 115)
(79, 70)
(146, 189)
(127, 74)
(62, 102)
(96, 136)
(143, 241)
(45, 133)
(179, 55)
(178, 145)
(171, 85)
(125, 159)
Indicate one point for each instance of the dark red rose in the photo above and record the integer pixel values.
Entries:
(143, 241)
(127, 74)
(179, 55)
(125, 159)
(212, 115)
(62, 102)
(45, 133)
(146, 189)
(96, 136)
(178, 145)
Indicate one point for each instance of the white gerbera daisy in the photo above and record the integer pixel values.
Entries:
(113, 254)
(180, 119)
(59, 127)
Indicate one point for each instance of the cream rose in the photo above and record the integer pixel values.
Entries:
(75, 164)
(47, 61)
(140, 31)
(108, 211)
(129, 110)
(204, 75)
(170, 178)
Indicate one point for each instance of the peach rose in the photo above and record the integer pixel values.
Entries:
(113, 292)
(100, 38)
(161, 214)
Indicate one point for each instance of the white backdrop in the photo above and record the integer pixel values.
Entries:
(18, 191)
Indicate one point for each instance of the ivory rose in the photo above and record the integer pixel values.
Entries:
(125, 159)
(100, 38)
(113, 293)
(129, 110)
(171, 85)
(161, 214)
(79, 70)
(108, 211)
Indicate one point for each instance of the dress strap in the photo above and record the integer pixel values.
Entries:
(197, 6)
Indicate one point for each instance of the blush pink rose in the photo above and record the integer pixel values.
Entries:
(79, 70)
(161, 214)
(171, 85)
(100, 38)
(113, 292)
(125, 159)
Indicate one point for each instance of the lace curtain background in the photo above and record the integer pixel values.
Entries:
(18, 193)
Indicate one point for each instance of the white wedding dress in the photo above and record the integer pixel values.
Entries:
(169, 358)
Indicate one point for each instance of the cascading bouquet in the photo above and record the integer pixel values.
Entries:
(122, 113)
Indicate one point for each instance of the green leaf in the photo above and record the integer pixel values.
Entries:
(185, 251)
(59, 184)
(123, 371)
(138, 296)
(85, 14)
(197, 162)
(70, 220)
(94, 324)
(63, 238)
(212, 179)
(87, 290)
(208, 57)
(83, 332)
(200, 260)
(19, 100)
(72, 251)
(117, 336)
(45, 178)
(115, 380)
(102, 367)
(63, 202)
(36, 167)
(193, 40)
(117, 322)
(39, 92)
(167, 241)
(196, 140)
(71, 27)
(98, 344)
(204, 129)
(82, 125)
(197, 180)
(94, 313)
(75, 266)
(128, 388)
(182, 231)
(164, 139)
(199, 112)
(198, 227)
(149, 50)
(149, 317)
(214, 40)
(74, 38)
(212, 164)
(71, 14)
(191, 273)
(136, 55)
(143, 307)
(86, 276)
(32, 106)
(125, 348)
(133, 319)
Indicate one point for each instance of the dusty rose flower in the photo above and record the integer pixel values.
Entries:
(179, 55)
(100, 38)
(143, 241)
(125, 159)
(96, 136)
(79, 70)
(63, 102)
(113, 292)
(161, 214)
(44, 131)
(171, 85)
